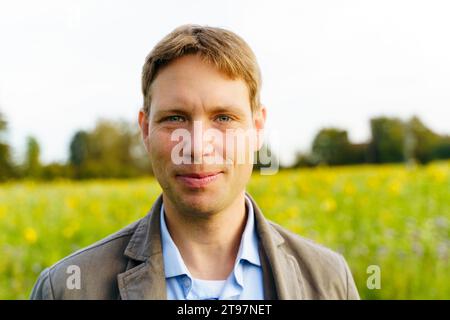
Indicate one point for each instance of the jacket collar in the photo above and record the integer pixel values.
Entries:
(287, 277)
(146, 280)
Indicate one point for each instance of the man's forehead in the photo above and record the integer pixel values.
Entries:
(180, 99)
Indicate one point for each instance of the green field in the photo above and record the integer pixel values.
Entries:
(395, 217)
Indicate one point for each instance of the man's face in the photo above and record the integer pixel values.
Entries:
(187, 95)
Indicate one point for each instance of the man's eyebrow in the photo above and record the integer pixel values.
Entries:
(171, 111)
(216, 109)
(227, 109)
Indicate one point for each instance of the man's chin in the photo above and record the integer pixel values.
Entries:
(198, 202)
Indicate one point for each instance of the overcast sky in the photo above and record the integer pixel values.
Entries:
(64, 64)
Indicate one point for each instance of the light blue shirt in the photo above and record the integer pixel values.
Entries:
(245, 282)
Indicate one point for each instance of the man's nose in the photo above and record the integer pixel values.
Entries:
(201, 146)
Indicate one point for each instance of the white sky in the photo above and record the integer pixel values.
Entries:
(63, 64)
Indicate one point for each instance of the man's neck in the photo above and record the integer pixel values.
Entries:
(209, 245)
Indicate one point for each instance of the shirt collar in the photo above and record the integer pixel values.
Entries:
(248, 252)
(248, 249)
(173, 262)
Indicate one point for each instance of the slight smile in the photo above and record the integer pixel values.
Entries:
(198, 180)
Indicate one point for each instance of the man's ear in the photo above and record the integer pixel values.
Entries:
(143, 124)
(259, 122)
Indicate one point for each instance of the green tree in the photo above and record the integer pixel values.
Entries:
(32, 165)
(111, 149)
(78, 152)
(56, 170)
(424, 140)
(357, 153)
(442, 148)
(6, 164)
(388, 136)
(331, 146)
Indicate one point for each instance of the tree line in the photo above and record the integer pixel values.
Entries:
(112, 149)
(392, 140)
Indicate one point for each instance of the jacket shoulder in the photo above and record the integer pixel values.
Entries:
(325, 273)
(97, 266)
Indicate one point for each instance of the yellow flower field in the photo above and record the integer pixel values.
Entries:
(391, 216)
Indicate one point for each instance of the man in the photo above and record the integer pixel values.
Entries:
(204, 237)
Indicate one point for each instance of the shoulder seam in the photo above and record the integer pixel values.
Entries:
(52, 294)
(346, 275)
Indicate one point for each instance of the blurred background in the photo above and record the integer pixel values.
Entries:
(358, 99)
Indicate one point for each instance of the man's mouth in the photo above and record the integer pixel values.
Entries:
(198, 179)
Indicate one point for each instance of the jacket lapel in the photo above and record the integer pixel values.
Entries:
(286, 274)
(144, 277)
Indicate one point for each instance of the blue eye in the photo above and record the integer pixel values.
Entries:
(224, 118)
(175, 118)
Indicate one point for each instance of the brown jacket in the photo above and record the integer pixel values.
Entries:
(129, 265)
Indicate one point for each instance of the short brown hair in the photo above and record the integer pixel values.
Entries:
(224, 49)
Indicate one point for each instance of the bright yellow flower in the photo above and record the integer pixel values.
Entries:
(30, 235)
(439, 175)
(349, 189)
(395, 187)
(329, 205)
(70, 202)
(373, 182)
